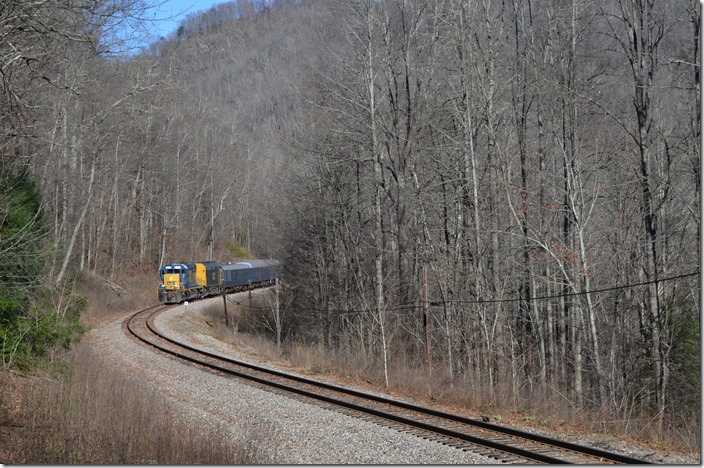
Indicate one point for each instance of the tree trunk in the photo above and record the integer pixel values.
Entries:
(79, 223)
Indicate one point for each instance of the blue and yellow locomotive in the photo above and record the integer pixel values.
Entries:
(185, 281)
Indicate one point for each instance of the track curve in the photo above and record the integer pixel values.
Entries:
(505, 444)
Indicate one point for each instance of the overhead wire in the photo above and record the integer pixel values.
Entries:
(435, 303)
(572, 294)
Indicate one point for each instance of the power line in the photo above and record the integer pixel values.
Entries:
(558, 296)
(432, 302)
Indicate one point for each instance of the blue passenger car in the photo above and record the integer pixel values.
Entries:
(248, 274)
(235, 276)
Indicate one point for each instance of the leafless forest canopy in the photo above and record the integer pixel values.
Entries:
(524, 174)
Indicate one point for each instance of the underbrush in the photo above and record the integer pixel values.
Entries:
(546, 409)
(108, 299)
(87, 413)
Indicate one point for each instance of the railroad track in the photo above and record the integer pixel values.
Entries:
(504, 444)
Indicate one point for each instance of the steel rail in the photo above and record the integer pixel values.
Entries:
(580, 449)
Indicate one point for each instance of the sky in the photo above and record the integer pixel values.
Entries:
(169, 13)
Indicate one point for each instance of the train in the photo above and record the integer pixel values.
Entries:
(185, 281)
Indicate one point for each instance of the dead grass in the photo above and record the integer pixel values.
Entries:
(467, 395)
(109, 299)
(97, 415)
(80, 412)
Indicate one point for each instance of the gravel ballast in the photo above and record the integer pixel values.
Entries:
(283, 430)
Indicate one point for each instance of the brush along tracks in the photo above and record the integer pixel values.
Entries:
(504, 444)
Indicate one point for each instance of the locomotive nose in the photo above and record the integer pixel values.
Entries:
(171, 281)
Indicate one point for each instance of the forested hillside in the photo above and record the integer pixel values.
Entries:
(522, 177)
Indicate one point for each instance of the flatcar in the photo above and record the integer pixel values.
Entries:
(183, 281)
